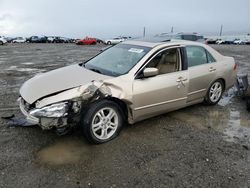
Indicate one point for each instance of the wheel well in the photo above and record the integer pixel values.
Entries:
(224, 82)
(122, 105)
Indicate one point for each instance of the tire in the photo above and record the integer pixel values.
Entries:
(97, 126)
(1, 43)
(214, 93)
(109, 43)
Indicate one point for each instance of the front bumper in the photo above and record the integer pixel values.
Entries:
(44, 122)
(29, 118)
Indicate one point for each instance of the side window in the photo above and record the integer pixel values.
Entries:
(166, 61)
(196, 55)
(210, 58)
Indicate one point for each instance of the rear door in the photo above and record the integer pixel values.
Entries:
(202, 70)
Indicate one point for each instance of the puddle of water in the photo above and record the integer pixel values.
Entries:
(68, 151)
(235, 130)
(211, 118)
(226, 99)
(233, 123)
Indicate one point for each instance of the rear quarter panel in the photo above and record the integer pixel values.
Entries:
(225, 67)
(227, 71)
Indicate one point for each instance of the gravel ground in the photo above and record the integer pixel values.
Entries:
(199, 146)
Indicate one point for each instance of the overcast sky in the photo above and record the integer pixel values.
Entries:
(111, 18)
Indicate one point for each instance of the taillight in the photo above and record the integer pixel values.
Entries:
(235, 66)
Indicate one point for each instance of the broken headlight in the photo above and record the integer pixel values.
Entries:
(76, 106)
(54, 110)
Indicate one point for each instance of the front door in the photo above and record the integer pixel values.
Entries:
(164, 92)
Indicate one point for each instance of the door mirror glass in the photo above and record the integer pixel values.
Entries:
(149, 72)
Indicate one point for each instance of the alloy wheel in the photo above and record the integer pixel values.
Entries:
(105, 123)
(215, 92)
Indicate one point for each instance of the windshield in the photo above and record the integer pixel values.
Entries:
(117, 60)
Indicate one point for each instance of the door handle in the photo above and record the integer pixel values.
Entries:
(211, 69)
(180, 80)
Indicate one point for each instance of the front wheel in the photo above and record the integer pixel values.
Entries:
(214, 92)
(102, 122)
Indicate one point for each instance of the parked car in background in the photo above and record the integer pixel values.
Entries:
(164, 37)
(19, 40)
(190, 36)
(246, 41)
(2, 40)
(211, 41)
(114, 40)
(87, 41)
(100, 41)
(51, 39)
(65, 39)
(9, 39)
(220, 41)
(37, 39)
(237, 41)
(59, 40)
(128, 82)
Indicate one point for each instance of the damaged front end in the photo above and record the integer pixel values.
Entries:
(63, 111)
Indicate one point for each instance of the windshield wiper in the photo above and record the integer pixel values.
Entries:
(96, 70)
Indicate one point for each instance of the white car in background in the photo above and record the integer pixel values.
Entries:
(220, 41)
(238, 41)
(2, 40)
(114, 40)
(19, 40)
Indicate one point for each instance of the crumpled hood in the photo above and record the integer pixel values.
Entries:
(57, 80)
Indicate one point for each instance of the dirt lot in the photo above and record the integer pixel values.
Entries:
(199, 146)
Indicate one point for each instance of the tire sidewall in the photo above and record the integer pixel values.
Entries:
(87, 118)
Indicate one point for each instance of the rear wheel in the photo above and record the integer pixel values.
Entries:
(102, 122)
(109, 43)
(214, 92)
(1, 43)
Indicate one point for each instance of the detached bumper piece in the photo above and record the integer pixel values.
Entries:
(243, 87)
(15, 121)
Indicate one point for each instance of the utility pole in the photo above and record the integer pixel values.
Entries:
(172, 29)
(144, 32)
(221, 27)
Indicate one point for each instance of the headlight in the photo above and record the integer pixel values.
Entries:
(54, 110)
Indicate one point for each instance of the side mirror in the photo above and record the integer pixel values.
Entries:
(149, 72)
